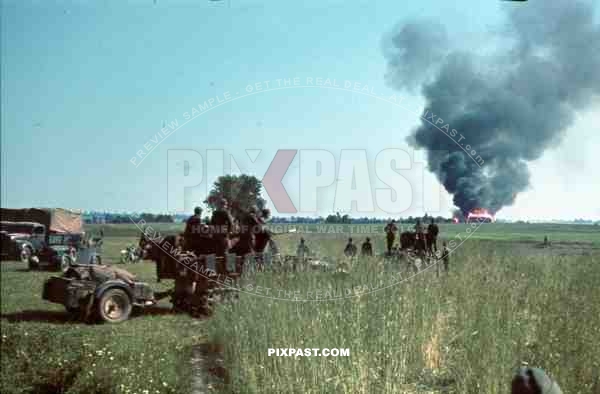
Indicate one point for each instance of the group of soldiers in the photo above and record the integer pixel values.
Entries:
(425, 241)
(247, 234)
(223, 234)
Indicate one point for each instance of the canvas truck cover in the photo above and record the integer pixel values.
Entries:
(56, 220)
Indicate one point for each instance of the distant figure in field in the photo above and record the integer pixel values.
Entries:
(302, 251)
(446, 257)
(350, 250)
(432, 234)
(390, 231)
(528, 380)
(367, 248)
(546, 242)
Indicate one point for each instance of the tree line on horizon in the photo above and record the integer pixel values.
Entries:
(244, 191)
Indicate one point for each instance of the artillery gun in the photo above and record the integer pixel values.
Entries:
(98, 292)
(105, 293)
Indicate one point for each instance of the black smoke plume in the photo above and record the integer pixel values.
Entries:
(508, 106)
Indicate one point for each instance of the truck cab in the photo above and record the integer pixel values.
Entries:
(21, 240)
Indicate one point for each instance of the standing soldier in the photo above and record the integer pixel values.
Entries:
(367, 248)
(191, 234)
(249, 225)
(302, 250)
(432, 234)
(301, 253)
(350, 250)
(420, 237)
(446, 258)
(222, 227)
(390, 231)
(262, 236)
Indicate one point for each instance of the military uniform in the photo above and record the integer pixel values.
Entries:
(446, 259)
(192, 234)
(222, 226)
(367, 248)
(302, 250)
(420, 237)
(262, 237)
(528, 380)
(432, 232)
(350, 249)
(250, 226)
(390, 230)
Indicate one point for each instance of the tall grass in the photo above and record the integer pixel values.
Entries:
(502, 304)
(463, 332)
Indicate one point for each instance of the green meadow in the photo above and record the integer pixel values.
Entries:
(507, 301)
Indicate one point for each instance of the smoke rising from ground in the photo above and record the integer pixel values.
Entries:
(510, 106)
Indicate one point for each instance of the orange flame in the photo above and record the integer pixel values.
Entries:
(480, 213)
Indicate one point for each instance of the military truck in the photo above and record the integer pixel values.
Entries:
(42, 237)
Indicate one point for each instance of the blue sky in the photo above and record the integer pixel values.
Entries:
(85, 86)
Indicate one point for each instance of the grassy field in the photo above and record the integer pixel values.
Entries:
(505, 302)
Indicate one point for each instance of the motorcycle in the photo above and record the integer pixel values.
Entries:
(131, 254)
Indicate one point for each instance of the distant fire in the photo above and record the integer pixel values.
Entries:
(480, 215)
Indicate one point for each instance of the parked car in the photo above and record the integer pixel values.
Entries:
(21, 240)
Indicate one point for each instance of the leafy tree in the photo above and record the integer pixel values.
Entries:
(241, 192)
(338, 219)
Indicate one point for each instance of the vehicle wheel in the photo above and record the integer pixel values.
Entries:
(26, 254)
(114, 306)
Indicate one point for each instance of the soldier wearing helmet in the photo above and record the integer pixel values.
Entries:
(193, 231)
(390, 231)
(528, 380)
(350, 250)
(367, 248)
